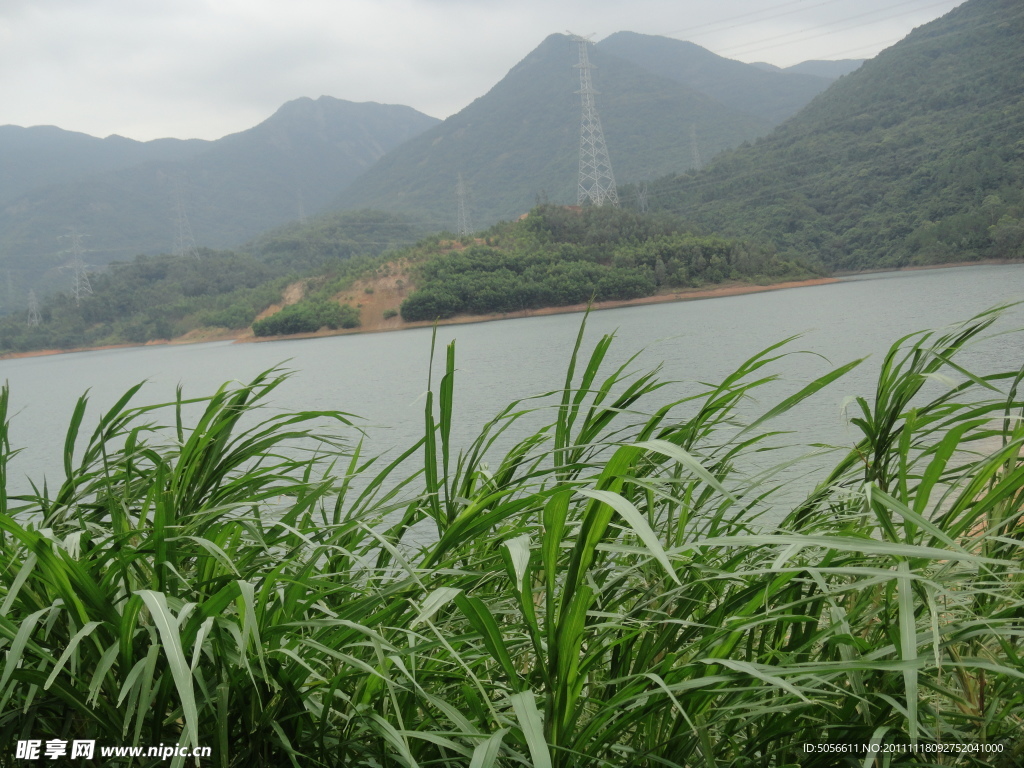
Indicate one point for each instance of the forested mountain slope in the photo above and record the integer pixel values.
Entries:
(915, 158)
(44, 154)
(771, 96)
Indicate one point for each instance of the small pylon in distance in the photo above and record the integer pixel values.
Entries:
(641, 197)
(463, 227)
(80, 285)
(33, 310)
(185, 243)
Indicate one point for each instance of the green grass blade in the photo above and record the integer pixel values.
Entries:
(167, 627)
(524, 704)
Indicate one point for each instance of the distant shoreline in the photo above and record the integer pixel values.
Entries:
(245, 336)
(919, 267)
(395, 324)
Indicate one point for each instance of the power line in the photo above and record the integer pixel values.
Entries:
(729, 22)
(759, 45)
(764, 15)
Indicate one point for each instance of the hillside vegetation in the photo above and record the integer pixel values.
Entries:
(559, 256)
(556, 256)
(915, 158)
(166, 297)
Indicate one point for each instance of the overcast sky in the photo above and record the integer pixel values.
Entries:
(204, 68)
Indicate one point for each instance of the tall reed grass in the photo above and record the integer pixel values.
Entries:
(601, 594)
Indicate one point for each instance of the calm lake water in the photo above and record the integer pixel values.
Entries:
(383, 377)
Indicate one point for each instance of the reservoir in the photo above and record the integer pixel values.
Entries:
(382, 377)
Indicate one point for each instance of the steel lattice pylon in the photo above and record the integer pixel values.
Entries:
(185, 244)
(463, 227)
(80, 286)
(33, 310)
(597, 183)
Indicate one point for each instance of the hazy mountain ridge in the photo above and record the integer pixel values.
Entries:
(830, 70)
(230, 189)
(43, 155)
(746, 88)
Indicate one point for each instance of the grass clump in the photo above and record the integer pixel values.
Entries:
(603, 593)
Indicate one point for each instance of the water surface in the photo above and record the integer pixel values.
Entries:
(383, 376)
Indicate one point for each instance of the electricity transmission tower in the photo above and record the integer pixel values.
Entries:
(33, 310)
(463, 227)
(597, 184)
(80, 285)
(185, 244)
(697, 165)
(641, 197)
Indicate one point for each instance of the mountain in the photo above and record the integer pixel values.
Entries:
(126, 198)
(520, 141)
(915, 158)
(830, 70)
(768, 96)
(43, 155)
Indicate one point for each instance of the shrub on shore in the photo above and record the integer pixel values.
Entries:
(308, 317)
